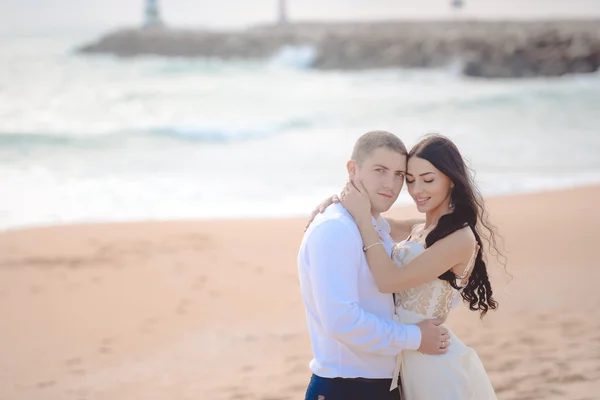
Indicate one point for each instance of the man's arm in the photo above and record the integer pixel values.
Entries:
(334, 256)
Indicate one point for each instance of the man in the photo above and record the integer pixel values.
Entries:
(354, 337)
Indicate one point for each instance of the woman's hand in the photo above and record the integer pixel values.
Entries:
(320, 208)
(355, 199)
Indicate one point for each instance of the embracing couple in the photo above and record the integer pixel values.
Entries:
(377, 290)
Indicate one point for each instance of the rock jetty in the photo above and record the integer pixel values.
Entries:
(480, 49)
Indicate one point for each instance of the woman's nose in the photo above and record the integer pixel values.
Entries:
(416, 189)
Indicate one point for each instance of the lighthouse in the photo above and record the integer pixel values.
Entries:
(152, 14)
(457, 4)
(282, 12)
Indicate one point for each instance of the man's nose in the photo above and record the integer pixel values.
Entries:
(388, 181)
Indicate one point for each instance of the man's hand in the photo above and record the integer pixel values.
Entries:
(321, 208)
(434, 338)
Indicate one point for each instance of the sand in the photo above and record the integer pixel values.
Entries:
(212, 309)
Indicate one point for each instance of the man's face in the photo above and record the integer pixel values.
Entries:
(382, 174)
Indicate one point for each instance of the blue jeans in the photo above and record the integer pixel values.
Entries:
(350, 389)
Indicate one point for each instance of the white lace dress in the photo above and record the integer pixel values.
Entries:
(456, 375)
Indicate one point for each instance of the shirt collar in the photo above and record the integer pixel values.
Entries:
(380, 224)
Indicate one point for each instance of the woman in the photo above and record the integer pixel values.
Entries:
(440, 259)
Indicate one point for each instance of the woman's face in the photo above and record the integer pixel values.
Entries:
(428, 186)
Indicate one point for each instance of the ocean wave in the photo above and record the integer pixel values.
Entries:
(218, 134)
(287, 57)
(300, 57)
(523, 95)
(188, 133)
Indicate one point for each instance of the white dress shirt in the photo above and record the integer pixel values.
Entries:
(350, 322)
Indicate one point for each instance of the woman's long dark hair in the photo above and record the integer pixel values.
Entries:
(468, 211)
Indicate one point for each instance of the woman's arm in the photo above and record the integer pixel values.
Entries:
(443, 255)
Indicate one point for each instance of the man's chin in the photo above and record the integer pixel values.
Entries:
(381, 208)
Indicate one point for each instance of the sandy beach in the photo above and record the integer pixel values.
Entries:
(212, 309)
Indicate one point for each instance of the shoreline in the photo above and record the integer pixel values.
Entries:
(406, 206)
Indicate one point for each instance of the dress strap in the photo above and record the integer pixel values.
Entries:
(415, 227)
(412, 229)
(469, 265)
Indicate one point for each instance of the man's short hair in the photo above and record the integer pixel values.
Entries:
(373, 140)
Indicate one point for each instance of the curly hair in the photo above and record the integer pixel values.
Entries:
(468, 211)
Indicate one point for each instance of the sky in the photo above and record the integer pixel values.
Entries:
(46, 16)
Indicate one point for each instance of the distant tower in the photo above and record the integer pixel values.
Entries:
(282, 11)
(152, 14)
(457, 4)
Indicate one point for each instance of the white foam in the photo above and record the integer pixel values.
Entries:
(294, 57)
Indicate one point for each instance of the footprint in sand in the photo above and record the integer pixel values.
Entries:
(35, 289)
(248, 368)
(78, 371)
(104, 350)
(570, 327)
(199, 282)
(506, 345)
(45, 384)
(105, 345)
(296, 368)
(183, 305)
(75, 366)
(508, 365)
(570, 378)
(530, 340)
(542, 358)
(288, 336)
(557, 391)
(148, 324)
(73, 362)
(178, 268)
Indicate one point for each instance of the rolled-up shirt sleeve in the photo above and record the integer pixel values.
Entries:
(335, 256)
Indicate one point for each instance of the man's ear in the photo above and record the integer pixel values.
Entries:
(351, 167)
